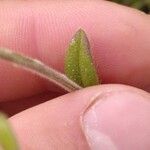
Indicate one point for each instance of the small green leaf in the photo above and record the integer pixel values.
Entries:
(7, 139)
(78, 62)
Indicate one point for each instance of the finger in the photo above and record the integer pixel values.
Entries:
(119, 38)
(104, 117)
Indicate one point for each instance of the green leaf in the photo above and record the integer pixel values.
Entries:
(7, 139)
(79, 66)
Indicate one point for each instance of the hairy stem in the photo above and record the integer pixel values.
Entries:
(39, 68)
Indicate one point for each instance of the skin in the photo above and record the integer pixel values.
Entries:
(120, 44)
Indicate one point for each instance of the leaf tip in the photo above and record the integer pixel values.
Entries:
(80, 32)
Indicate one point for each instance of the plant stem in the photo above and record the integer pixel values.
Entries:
(39, 68)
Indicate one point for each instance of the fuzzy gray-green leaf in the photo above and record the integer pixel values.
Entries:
(7, 139)
(78, 62)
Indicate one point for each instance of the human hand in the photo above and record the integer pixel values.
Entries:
(119, 38)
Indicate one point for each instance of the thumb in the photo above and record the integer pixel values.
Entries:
(106, 117)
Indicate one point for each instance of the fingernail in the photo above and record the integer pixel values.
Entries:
(118, 120)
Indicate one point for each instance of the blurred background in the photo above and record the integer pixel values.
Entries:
(143, 5)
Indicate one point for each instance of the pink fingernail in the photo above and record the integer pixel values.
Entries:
(118, 121)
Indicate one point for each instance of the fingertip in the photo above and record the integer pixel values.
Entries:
(118, 120)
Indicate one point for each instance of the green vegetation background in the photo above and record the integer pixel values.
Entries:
(143, 5)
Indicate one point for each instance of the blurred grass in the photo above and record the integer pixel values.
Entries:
(143, 5)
